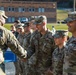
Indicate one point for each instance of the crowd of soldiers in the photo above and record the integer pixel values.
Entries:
(39, 50)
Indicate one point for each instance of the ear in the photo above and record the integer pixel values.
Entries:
(43, 23)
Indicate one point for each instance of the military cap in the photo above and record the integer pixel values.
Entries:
(70, 19)
(40, 19)
(26, 24)
(3, 14)
(17, 21)
(61, 33)
(20, 25)
(32, 18)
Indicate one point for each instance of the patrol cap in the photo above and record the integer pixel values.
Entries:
(70, 19)
(26, 24)
(61, 33)
(17, 21)
(3, 14)
(20, 25)
(40, 19)
(32, 18)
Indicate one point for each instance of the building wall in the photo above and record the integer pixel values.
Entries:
(20, 9)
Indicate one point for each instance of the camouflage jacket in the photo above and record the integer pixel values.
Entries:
(43, 48)
(57, 61)
(26, 41)
(7, 39)
(20, 38)
(34, 47)
(69, 67)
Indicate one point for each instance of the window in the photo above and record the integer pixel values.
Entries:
(32, 9)
(11, 19)
(1, 8)
(21, 9)
(41, 10)
(11, 9)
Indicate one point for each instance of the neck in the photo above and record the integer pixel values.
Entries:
(27, 32)
(61, 46)
(74, 34)
(44, 31)
(34, 29)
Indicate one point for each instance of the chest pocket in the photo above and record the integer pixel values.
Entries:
(2, 41)
(46, 46)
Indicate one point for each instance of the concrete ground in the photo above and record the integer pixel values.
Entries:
(10, 68)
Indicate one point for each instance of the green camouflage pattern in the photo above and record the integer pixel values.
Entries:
(69, 66)
(57, 61)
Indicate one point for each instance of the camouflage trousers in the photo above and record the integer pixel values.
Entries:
(19, 67)
(31, 70)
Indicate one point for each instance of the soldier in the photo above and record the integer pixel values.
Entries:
(16, 23)
(53, 30)
(12, 29)
(69, 66)
(7, 39)
(32, 59)
(32, 20)
(27, 36)
(20, 38)
(44, 44)
(26, 43)
(60, 39)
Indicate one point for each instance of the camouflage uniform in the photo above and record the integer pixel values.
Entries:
(57, 61)
(20, 38)
(18, 64)
(26, 44)
(7, 39)
(58, 54)
(43, 47)
(26, 40)
(69, 67)
(32, 59)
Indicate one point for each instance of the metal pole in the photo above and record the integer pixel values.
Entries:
(74, 5)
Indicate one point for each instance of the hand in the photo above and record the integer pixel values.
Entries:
(24, 59)
(48, 72)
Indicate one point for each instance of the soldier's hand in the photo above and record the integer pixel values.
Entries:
(48, 72)
(24, 59)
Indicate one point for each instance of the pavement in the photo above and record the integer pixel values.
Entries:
(10, 68)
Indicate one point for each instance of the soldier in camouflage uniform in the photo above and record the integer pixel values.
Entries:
(27, 35)
(69, 66)
(20, 38)
(44, 44)
(26, 43)
(16, 24)
(7, 39)
(60, 39)
(32, 59)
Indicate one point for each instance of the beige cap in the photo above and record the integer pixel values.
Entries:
(3, 13)
(40, 19)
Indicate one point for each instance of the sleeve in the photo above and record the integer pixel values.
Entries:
(31, 48)
(72, 57)
(14, 45)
